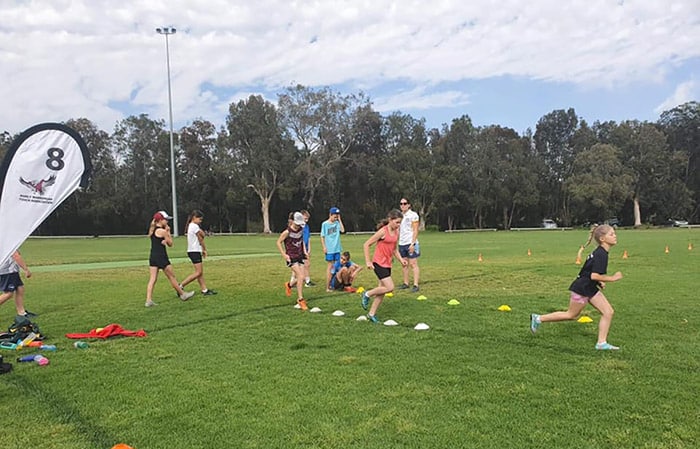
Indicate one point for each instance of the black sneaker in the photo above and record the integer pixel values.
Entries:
(403, 286)
(310, 284)
(415, 289)
(209, 292)
(29, 314)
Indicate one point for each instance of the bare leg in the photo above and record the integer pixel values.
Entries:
(385, 286)
(600, 302)
(19, 301)
(151, 283)
(170, 274)
(198, 274)
(413, 263)
(575, 309)
(298, 271)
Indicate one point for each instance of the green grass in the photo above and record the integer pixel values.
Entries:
(243, 369)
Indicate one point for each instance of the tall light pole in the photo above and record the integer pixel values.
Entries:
(167, 31)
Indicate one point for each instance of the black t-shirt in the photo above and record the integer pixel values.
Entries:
(597, 262)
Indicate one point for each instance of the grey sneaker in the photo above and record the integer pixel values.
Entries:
(534, 322)
(415, 289)
(150, 304)
(187, 295)
(403, 286)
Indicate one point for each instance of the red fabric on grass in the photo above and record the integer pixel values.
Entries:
(109, 330)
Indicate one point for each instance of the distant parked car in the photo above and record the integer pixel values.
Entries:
(677, 223)
(614, 222)
(548, 224)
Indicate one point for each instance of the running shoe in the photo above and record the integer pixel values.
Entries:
(374, 319)
(150, 304)
(534, 322)
(365, 301)
(415, 289)
(287, 289)
(302, 304)
(403, 286)
(605, 346)
(209, 292)
(186, 295)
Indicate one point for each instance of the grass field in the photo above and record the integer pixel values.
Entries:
(244, 369)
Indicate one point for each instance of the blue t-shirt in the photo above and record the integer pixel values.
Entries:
(338, 265)
(306, 236)
(330, 232)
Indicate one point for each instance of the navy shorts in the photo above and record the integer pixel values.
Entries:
(10, 282)
(195, 256)
(381, 272)
(403, 250)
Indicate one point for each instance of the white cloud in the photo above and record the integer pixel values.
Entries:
(101, 59)
(685, 92)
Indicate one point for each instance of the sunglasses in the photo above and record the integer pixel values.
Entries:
(403, 203)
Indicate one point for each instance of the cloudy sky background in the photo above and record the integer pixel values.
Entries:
(505, 62)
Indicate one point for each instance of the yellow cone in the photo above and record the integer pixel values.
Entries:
(453, 302)
(504, 308)
(585, 319)
(389, 295)
(360, 290)
(421, 298)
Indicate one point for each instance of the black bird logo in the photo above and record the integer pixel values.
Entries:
(40, 185)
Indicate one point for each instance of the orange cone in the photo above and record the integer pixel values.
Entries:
(690, 246)
(481, 259)
(624, 255)
(529, 253)
(666, 250)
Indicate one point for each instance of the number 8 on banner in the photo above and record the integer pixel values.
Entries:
(43, 166)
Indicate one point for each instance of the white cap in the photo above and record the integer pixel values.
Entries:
(299, 219)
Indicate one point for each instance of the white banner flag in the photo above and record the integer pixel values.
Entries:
(43, 166)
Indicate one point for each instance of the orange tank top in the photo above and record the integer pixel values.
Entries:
(385, 248)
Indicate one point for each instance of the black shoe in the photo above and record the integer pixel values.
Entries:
(403, 286)
(209, 292)
(415, 289)
(29, 314)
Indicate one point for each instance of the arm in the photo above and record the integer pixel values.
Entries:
(323, 237)
(200, 237)
(22, 264)
(397, 254)
(371, 241)
(342, 226)
(354, 271)
(280, 240)
(165, 234)
(414, 239)
(603, 278)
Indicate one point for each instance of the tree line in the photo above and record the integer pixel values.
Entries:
(317, 148)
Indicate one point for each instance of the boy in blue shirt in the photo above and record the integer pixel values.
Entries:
(344, 273)
(330, 240)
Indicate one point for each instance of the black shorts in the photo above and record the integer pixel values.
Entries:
(160, 262)
(10, 282)
(296, 261)
(195, 256)
(381, 272)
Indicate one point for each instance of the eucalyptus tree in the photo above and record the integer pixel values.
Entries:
(265, 156)
(682, 126)
(646, 153)
(600, 183)
(554, 145)
(199, 187)
(452, 150)
(143, 149)
(5, 142)
(323, 124)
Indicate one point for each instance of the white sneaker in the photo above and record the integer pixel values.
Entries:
(187, 295)
(150, 304)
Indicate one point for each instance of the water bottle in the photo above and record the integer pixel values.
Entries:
(47, 347)
(80, 345)
(41, 360)
(28, 358)
(27, 340)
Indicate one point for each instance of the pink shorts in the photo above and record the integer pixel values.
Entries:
(575, 297)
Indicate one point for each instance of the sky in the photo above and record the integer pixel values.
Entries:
(504, 62)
